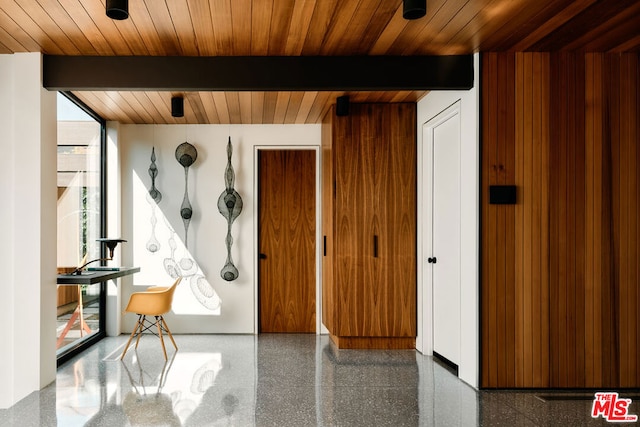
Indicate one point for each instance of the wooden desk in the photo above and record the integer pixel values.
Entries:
(90, 277)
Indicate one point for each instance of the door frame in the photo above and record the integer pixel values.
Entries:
(320, 329)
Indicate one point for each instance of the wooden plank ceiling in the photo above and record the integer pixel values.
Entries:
(300, 27)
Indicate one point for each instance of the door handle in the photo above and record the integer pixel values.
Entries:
(431, 260)
(262, 256)
(375, 246)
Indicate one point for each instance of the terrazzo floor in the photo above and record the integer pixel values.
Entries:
(278, 380)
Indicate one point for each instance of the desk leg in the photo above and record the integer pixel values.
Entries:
(76, 313)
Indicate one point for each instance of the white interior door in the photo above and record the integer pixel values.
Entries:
(442, 230)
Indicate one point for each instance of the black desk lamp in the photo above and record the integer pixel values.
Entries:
(111, 245)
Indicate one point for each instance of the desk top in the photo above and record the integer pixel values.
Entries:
(95, 276)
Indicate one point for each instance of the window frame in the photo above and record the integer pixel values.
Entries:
(82, 345)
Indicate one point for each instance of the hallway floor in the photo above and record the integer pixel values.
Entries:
(278, 380)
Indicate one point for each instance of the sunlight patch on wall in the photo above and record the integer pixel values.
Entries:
(170, 257)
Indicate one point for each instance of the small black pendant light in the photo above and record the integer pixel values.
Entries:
(177, 106)
(118, 9)
(414, 9)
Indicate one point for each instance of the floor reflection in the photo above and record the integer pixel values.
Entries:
(274, 380)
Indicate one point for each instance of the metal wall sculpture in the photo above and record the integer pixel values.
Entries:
(153, 198)
(230, 206)
(186, 155)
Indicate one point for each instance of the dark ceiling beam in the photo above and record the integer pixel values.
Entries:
(258, 73)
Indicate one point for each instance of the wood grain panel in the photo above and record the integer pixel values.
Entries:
(531, 223)
(567, 219)
(576, 224)
(328, 181)
(379, 343)
(287, 232)
(152, 107)
(398, 243)
(310, 28)
(372, 225)
(498, 130)
(372, 283)
(588, 25)
(593, 218)
(294, 27)
(350, 213)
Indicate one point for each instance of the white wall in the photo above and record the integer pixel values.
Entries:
(114, 228)
(428, 107)
(208, 227)
(28, 226)
(6, 230)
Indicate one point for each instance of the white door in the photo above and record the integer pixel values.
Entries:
(441, 135)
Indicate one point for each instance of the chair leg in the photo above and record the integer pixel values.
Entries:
(135, 330)
(143, 318)
(159, 324)
(166, 328)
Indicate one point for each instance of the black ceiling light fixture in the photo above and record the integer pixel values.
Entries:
(414, 9)
(118, 9)
(177, 106)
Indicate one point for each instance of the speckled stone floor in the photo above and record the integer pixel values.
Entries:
(277, 380)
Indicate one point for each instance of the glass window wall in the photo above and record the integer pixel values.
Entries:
(80, 224)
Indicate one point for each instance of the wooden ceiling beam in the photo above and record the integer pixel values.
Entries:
(258, 73)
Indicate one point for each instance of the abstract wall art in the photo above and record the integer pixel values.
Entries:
(186, 155)
(230, 206)
(154, 197)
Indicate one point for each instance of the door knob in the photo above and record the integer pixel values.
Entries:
(262, 256)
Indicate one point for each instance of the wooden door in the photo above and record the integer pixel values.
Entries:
(287, 240)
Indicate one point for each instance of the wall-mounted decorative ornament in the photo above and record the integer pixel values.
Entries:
(186, 155)
(154, 197)
(230, 206)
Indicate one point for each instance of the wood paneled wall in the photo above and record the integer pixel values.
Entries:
(561, 267)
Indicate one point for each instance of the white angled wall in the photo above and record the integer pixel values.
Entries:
(195, 309)
(28, 226)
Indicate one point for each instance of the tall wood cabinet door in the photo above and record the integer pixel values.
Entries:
(328, 292)
(375, 303)
(399, 247)
(393, 301)
(373, 271)
(352, 161)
